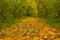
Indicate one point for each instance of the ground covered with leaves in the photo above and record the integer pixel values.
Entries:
(30, 29)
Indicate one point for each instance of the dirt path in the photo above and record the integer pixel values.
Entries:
(30, 29)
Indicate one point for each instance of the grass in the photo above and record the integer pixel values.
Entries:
(50, 22)
(9, 22)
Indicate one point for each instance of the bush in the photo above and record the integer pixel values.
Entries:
(50, 10)
(10, 10)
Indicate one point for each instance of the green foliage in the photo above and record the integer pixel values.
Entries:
(50, 10)
(11, 10)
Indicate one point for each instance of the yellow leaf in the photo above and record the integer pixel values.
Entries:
(36, 38)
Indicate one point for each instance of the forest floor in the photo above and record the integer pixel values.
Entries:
(30, 29)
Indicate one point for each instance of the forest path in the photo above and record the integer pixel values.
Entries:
(30, 29)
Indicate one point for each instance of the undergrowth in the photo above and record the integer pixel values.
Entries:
(13, 10)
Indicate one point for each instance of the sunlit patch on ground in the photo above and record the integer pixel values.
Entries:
(30, 29)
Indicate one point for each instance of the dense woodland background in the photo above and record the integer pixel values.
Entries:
(12, 10)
